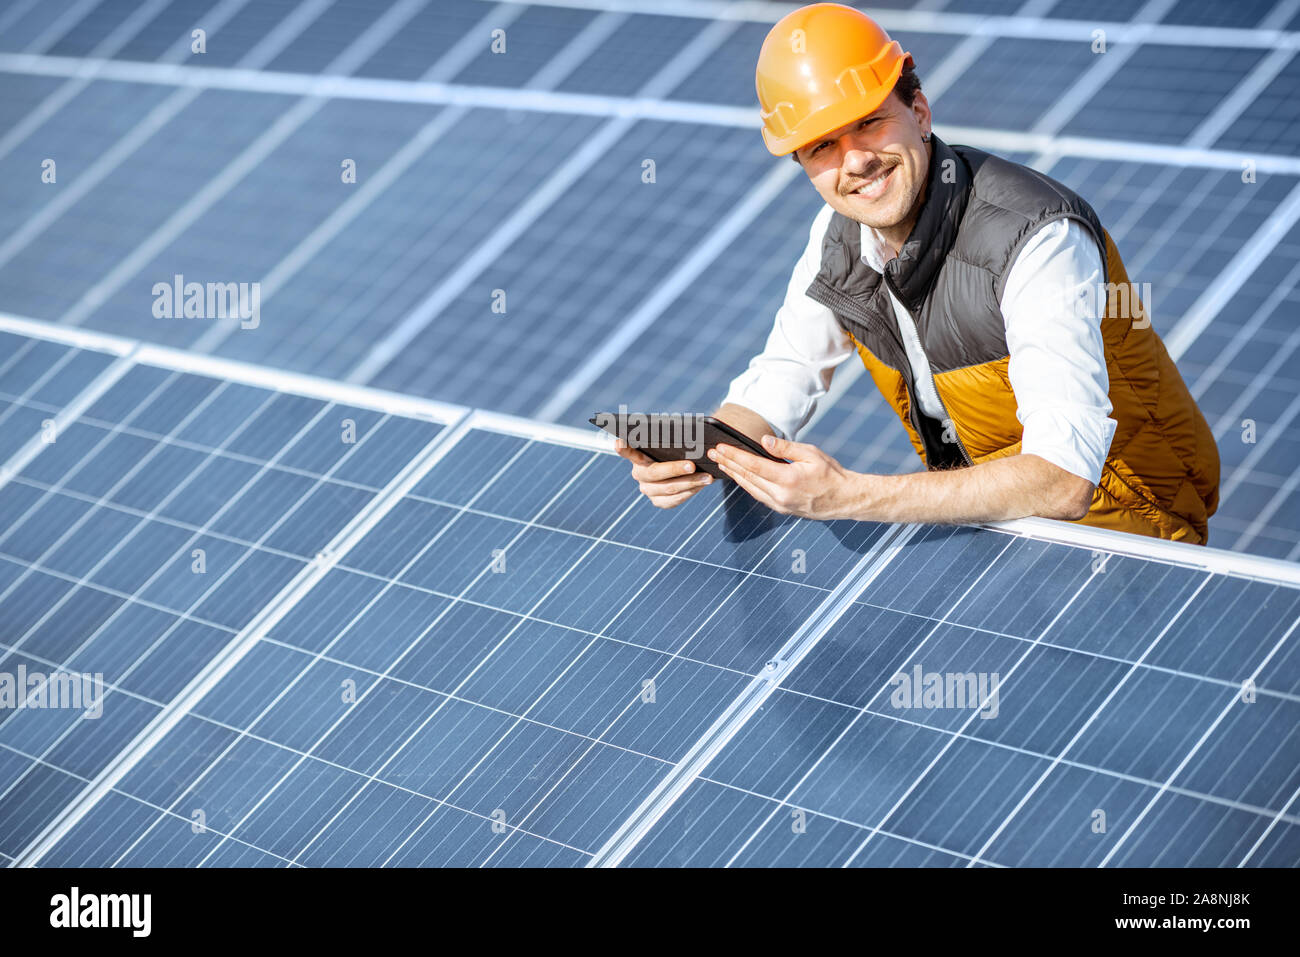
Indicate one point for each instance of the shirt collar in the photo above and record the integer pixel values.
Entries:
(873, 247)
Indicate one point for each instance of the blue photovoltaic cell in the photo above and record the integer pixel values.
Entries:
(99, 21)
(637, 50)
(1162, 93)
(531, 41)
(1270, 122)
(478, 691)
(329, 35)
(260, 221)
(77, 136)
(49, 274)
(1111, 11)
(1208, 13)
(429, 34)
(494, 631)
(1077, 726)
(33, 24)
(37, 379)
(1044, 70)
(142, 541)
(601, 249)
(380, 269)
(167, 33)
(252, 23)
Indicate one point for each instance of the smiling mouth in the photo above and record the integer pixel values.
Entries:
(875, 188)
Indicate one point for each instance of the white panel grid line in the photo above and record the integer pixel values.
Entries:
(66, 91)
(1029, 24)
(784, 802)
(157, 118)
(1200, 742)
(974, 714)
(668, 559)
(59, 424)
(1219, 560)
(139, 527)
(1083, 728)
(744, 706)
(228, 657)
(357, 53)
(376, 184)
(16, 11)
(1282, 13)
(538, 201)
(194, 79)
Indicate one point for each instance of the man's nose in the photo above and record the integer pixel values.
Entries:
(857, 160)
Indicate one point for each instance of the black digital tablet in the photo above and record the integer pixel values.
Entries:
(673, 436)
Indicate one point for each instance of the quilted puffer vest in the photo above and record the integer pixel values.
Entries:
(1161, 475)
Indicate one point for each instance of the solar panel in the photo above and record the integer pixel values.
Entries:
(167, 512)
(343, 626)
(519, 661)
(840, 770)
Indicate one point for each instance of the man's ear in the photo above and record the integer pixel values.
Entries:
(921, 110)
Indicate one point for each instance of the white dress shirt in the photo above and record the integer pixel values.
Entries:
(1057, 365)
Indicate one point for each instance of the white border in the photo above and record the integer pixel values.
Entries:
(962, 24)
(586, 104)
(394, 403)
(1207, 558)
(1217, 560)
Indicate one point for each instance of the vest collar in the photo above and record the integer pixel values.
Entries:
(913, 271)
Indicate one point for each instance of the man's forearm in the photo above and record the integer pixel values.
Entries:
(1013, 487)
(744, 420)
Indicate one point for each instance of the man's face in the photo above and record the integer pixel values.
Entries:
(873, 170)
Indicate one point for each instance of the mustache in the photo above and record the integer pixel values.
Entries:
(868, 177)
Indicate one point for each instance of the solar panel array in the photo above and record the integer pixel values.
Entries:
(350, 627)
(334, 634)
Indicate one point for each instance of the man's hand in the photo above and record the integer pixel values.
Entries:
(666, 484)
(812, 485)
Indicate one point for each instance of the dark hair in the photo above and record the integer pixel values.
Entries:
(908, 85)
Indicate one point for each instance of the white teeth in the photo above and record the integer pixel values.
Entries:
(873, 184)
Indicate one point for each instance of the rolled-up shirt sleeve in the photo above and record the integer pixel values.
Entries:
(785, 381)
(1057, 365)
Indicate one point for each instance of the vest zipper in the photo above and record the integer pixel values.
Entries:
(947, 417)
(848, 304)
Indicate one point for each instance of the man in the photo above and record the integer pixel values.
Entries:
(986, 300)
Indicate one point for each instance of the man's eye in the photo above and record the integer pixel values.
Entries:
(817, 149)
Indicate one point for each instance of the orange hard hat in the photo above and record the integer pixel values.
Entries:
(820, 68)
